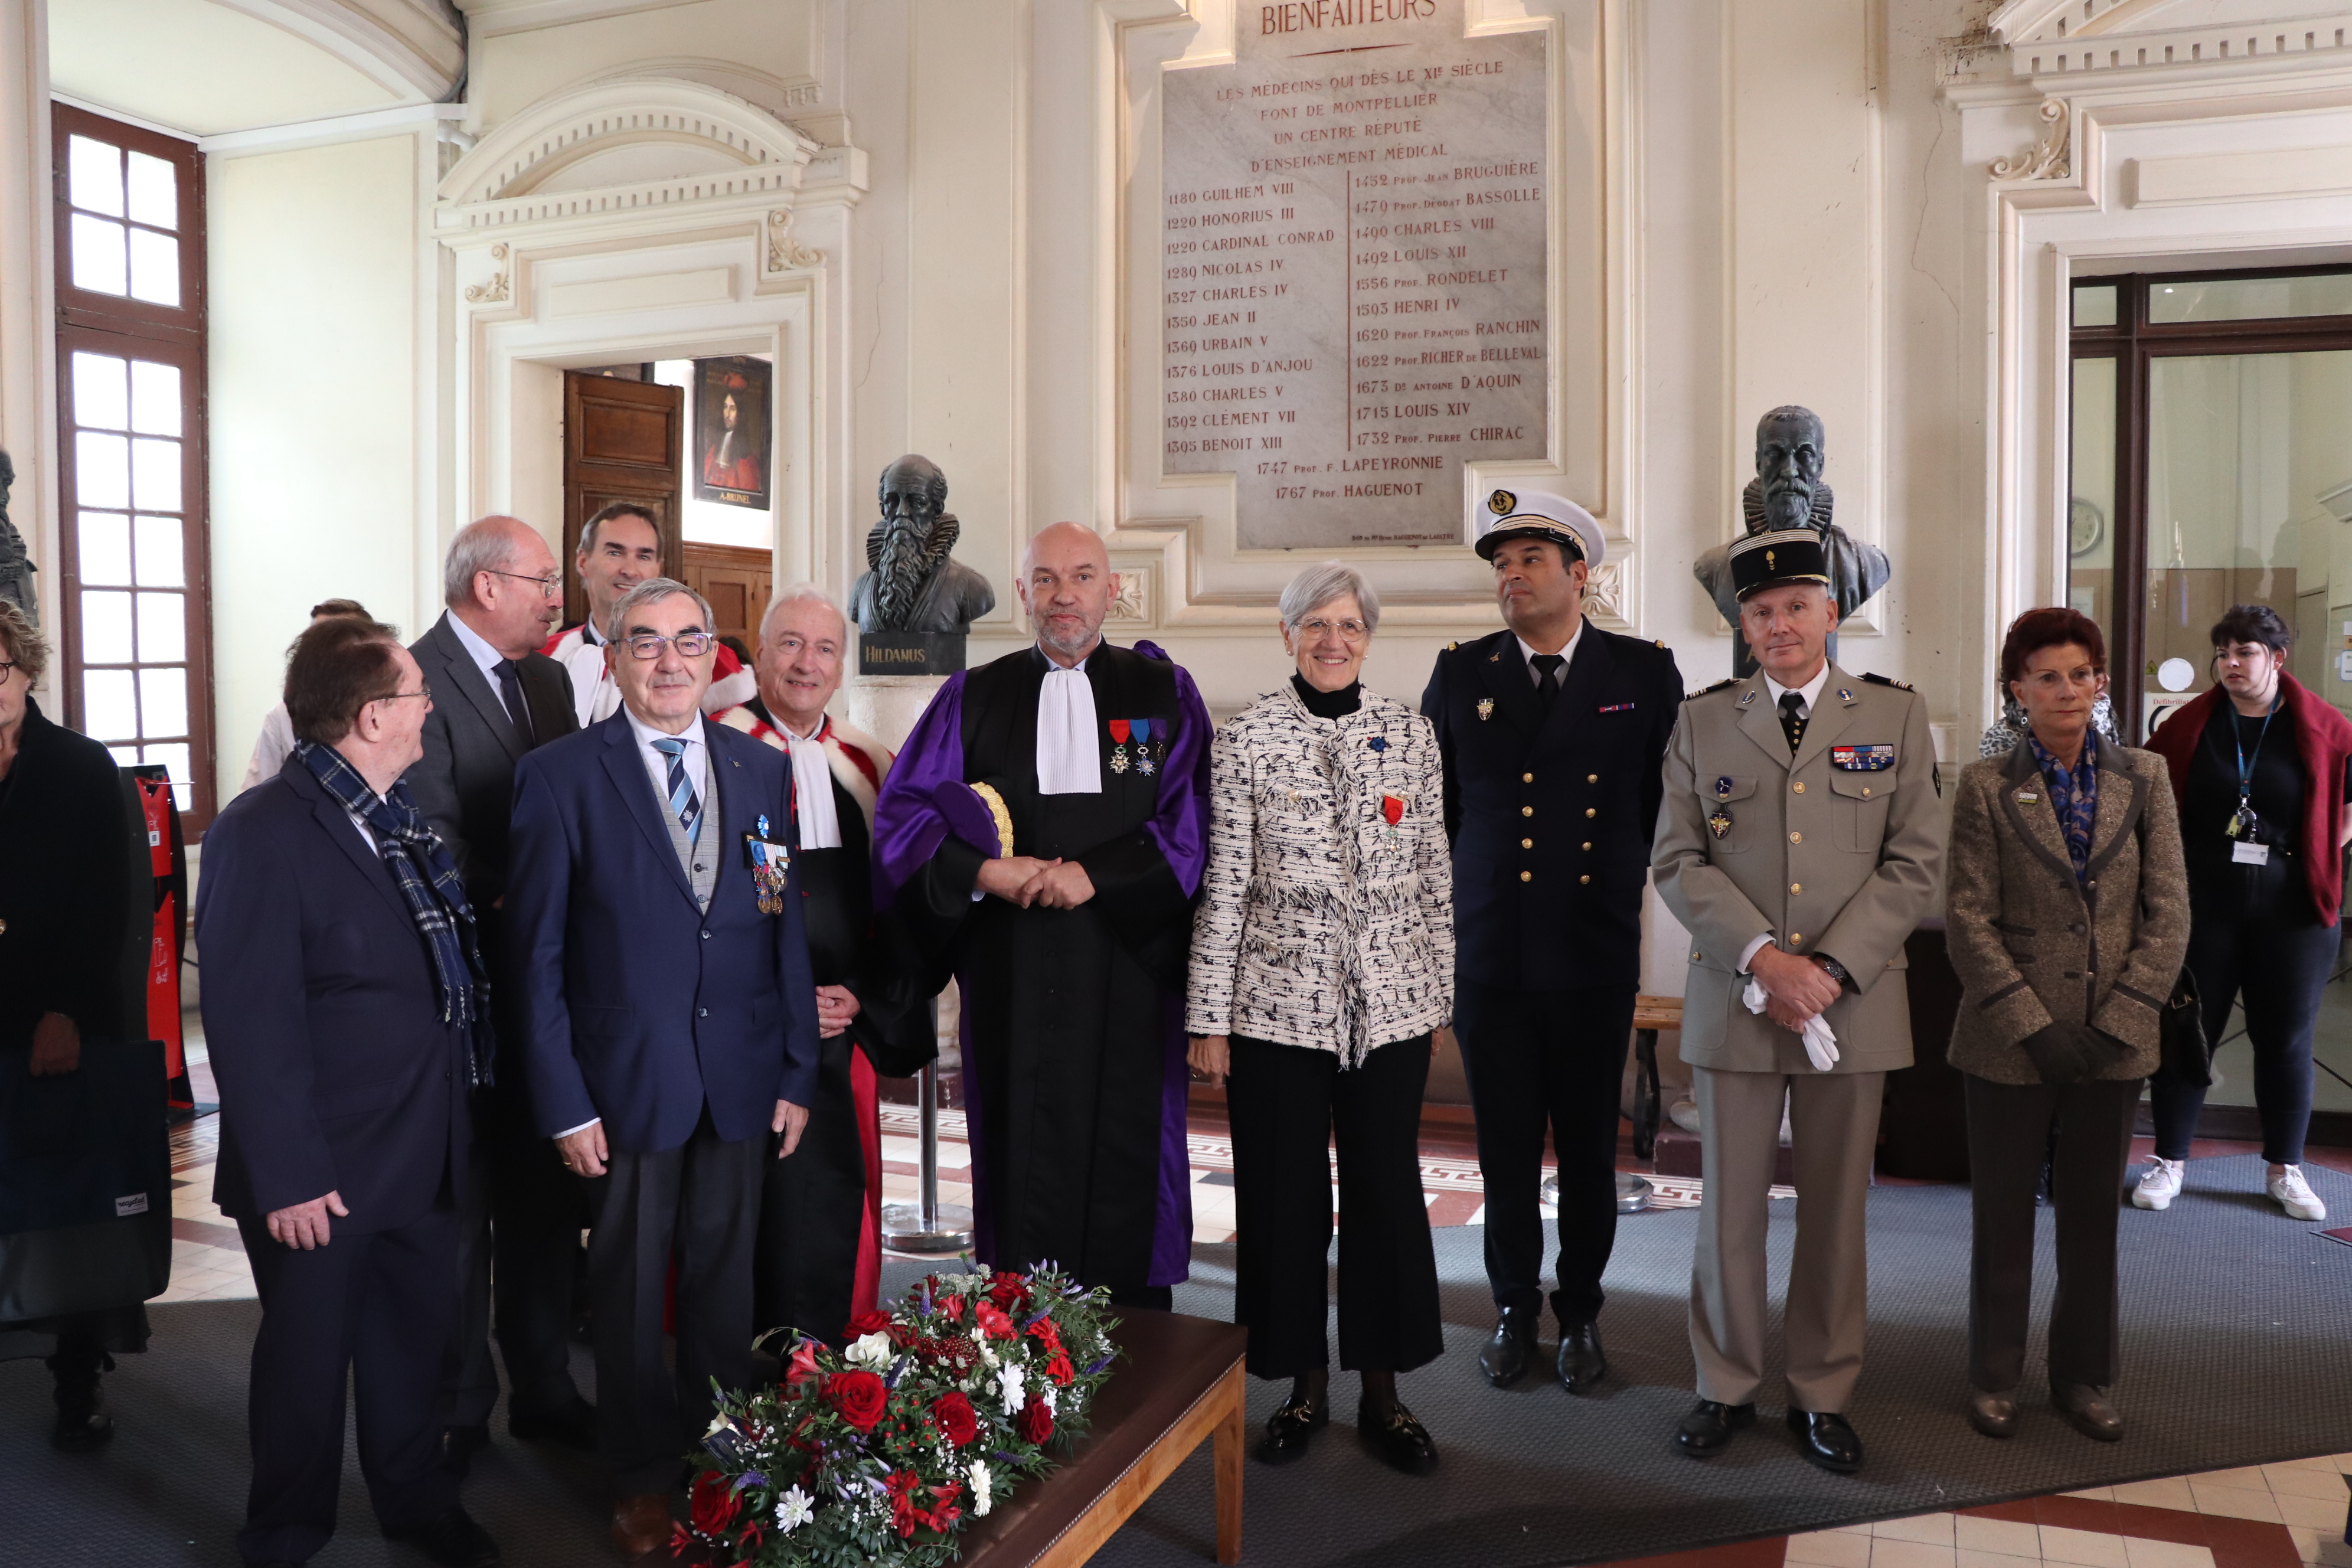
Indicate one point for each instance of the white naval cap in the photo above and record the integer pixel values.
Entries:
(1536, 514)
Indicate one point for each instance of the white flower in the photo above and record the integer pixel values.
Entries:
(873, 1350)
(1046, 1392)
(988, 1356)
(794, 1509)
(719, 1423)
(1008, 1387)
(980, 1498)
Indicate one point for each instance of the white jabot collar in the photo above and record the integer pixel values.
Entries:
(820, 822)
(1069, 758)
(1809, 691)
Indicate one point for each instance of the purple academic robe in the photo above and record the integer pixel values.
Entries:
(1073, 1019)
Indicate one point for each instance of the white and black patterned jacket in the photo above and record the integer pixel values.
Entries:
(1321, 924)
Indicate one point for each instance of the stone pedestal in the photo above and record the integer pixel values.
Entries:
(886, 706)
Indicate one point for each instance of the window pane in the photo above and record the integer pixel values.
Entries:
(2091, 542)
(159, 547)
(98, 260)
(109, 704)
(94, 175)
(100, 397)
(124, 756)
(163, 702)
(162, 628)
(106, 629)
(2095, 305)
(155, 191)
(154, 267)
(155, 398)
(2251, 298)
(155, 474)
(174, 757)
(101, 469)
(105, 540)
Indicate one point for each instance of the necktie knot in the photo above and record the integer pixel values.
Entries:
(683, 801)
(670, 746)
(1547, 668)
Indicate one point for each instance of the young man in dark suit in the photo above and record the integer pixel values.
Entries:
(342, 989)
(672, 1026)
(1552, 731)
(521, 1230)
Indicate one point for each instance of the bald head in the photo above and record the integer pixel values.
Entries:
(1066, 586)
(500, 579)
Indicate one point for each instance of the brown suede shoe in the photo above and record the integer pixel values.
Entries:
(641, 1524)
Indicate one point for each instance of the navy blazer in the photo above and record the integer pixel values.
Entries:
(1551, 815)
(638, 1007)
(336, 1072)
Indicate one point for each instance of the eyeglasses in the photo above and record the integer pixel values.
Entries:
(690, 645)
(5, 666)
(1349, 630)
(398, 696)
(548, 587)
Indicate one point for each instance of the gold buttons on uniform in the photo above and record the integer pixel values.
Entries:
(1865, 792)
(1799, 786)
(1796, 938)
(1582, 880)
(1526, 811)
(1526, 778)
(1796, 839)
(1592, 811)
(1592, 778)
(1527, 843)
(1587, 844)
(1796, 887)
(1527, 876)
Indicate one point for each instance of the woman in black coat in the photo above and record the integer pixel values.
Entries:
(63, 914)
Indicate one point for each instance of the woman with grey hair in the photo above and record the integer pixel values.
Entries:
(1322, 967)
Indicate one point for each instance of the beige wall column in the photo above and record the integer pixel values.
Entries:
(27, 335)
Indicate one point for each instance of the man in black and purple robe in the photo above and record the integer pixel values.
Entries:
(1041, 837)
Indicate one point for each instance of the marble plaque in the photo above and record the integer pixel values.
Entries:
(1351, 270)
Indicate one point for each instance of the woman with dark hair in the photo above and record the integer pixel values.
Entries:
(2068, 913)
(2259, 764)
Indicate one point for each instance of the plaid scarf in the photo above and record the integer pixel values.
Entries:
(2074, 796)
(435, 893)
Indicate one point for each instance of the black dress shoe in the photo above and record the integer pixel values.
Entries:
(1399, 1438)
(1706, 1430)
(1581, 1363)
(83, 1428)
(454, 1540)
(462, 1443)
(1994, 1414)
(1824, 1438)
(2086, 1410)
(1504, 1359)
(573, 1426)
(1288, 1429)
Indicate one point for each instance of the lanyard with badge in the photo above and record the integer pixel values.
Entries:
(2243, 823)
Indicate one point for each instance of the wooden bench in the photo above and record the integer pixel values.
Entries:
(1651, 1014)
(1180, 1380)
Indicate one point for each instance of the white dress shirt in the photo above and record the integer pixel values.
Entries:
(820, 820)
(697, 760)
(1567, 655)
(1069, 758)
(490, 658)
(1806, 696)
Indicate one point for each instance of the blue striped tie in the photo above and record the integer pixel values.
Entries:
(682, 799)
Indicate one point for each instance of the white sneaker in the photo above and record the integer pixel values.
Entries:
(2162, 1183)
(2293, 1194)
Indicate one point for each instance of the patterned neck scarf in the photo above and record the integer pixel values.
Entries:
(2074, 796)
(429, 883)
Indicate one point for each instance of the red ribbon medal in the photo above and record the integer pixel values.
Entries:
(1119, 730)
(1118, 733)
(1392, 809)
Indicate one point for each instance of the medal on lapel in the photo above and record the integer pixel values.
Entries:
(1118, 733)
(1143, 763)
(770, 866)
(1720, 823)
(1485, 707)
(1392, 809)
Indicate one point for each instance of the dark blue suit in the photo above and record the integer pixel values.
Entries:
(336, 1074)
(1551, 813)
(680, 1028)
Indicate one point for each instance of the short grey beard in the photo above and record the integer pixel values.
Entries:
(1085, 640)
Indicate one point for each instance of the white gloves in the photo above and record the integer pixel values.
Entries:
(1820, 1045)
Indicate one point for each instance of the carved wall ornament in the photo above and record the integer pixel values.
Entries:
(496, 291)
(1133, 601)
(784, 252)
(2052, 157)
(1605, 594)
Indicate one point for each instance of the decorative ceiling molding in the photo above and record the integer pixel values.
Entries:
(491, 18)
(2074, 38)
(415, 49)
(758, 157)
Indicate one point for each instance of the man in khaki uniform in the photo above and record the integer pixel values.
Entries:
(1799, 843)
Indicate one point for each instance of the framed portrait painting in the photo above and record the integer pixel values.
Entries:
(732, 430)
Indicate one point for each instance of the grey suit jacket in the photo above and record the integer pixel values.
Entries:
(2032, 945)
(1824, 856)
(465, 781)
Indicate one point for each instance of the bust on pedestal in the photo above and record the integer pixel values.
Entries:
(914, 606)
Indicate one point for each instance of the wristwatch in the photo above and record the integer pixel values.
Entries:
(1832, 968)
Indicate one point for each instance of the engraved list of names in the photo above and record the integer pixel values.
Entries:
(1352, 245)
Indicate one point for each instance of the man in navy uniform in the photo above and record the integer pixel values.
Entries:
(1552, 733)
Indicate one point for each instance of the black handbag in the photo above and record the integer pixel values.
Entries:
(2188, 1054)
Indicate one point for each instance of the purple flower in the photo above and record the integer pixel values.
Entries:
(1100, 1363)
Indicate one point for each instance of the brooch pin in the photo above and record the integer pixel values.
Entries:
(1379, 743)
(1485, 707)
(1720, 823)
(1723, 787)
(1743, 702)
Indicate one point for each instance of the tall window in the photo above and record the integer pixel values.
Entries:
(130, 406)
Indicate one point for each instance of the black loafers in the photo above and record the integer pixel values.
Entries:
(454, 1540)
(1399, 1439)
(1288, 1429)
(572, 1426)
(2086, 1410)
(1503, 1358)
(1582, 1360)
(462, 1443)
(1824, 1439)
(1706, 1430)
(1994, 1414)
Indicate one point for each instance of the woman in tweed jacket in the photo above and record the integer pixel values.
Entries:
(1322, 966)
(2068, 919)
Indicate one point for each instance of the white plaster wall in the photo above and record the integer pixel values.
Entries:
(314, 344)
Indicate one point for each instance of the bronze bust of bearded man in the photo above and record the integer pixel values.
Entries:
(910, 583)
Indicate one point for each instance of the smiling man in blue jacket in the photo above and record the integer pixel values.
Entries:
(671, 1029)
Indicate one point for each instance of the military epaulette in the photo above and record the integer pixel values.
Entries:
(1707, 690)
(1890, 680)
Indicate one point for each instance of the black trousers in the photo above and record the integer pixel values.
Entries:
(2010, 1129)
(813, 1212)
(375, 1307)
(2281, 967)
(518, 1245)
(1538, 1060)
(699, 1202)
(1287, 1104)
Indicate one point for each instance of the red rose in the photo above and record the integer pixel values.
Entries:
(957, 1422)
(1037, 1423)
(859, 1396)
(1060, 1370)
(1010, 1292)
(993, 1323)
(715, 1503)
(867, 1323)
